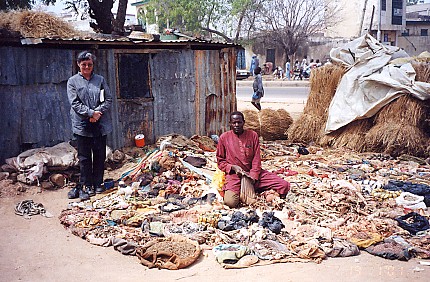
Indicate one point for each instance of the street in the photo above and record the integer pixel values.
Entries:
(274, 94)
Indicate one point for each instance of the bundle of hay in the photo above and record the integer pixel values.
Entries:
(310, 125)
(252, 121)
(351, 136)
(403, 126)
(399, 128)
(35, 24)
(274, 124)
(269, 124)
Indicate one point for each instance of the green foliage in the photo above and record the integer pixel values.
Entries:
(6, 5)
(181, 14)
(223, 18)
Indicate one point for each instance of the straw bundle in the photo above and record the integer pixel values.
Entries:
(323, 85)
(422, 70)
(403, 126)
(252, 120)
(351, 136)
(36, 24)
(400, 128)
(310, 125)
(274, 124)
(397, 139)
(307, 128)
(269, 124)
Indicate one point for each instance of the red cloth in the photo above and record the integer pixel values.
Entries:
(244, 151)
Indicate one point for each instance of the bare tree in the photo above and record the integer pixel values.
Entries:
(291, 22)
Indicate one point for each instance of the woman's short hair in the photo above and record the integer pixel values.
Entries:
(85, 56)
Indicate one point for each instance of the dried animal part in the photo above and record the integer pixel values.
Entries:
(180, 142)
(310, 251)
(58, 179)
(181, 216)
(167, 161)
(364, 240)
(270, 196)
(269, 249)
(342, 248)
(243, 262)
(118, 156)
(205, 143)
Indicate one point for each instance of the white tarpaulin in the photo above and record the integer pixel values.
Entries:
(370, 82)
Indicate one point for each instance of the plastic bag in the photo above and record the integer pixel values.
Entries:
(410, 201)
(413, 222)
(218, 180)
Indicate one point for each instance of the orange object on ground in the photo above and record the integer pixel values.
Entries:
(140, 140)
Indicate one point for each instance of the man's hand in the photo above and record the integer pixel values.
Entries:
(238, 170)
(97, 115)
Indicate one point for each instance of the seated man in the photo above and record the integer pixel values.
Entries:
(238, 155)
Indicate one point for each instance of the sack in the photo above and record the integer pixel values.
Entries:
(256, 95)
(174, 252)
(247, 193)
(413, 222)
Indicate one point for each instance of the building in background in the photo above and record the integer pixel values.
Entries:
(390, 21)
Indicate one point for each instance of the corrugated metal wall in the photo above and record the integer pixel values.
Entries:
(193, 93)
(215, 72)
(33, 101)
(173, 88)
(33, 97)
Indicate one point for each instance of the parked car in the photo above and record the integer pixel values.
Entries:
(242, 74)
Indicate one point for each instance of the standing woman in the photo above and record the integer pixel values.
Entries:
(258, 88)
(90, 100)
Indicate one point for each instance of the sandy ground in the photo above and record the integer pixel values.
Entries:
(294, 106)
(40, 249)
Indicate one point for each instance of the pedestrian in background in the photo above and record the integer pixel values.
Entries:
(90, 100)
(258, 88)
(255, 62)
(288, 69)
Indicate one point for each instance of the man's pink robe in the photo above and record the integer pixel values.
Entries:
(244, 151)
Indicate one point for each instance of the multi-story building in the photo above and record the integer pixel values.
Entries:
(390, 21)
(415, 38)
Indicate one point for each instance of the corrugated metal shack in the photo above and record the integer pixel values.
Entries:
(162, 87)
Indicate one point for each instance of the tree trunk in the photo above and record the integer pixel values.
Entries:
(228, 39)
(100, 11)
(118, 23)
(239, 26)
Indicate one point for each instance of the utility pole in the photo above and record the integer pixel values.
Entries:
(360, 32)
(378, 34)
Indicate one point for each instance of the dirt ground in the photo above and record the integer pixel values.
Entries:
(40, 249)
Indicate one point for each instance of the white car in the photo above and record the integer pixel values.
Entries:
(242, 74)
